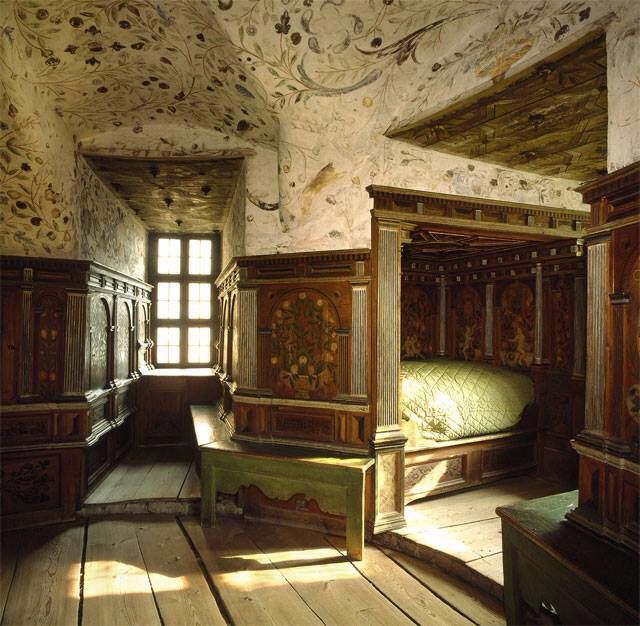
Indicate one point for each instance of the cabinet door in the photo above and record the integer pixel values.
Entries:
(9, 343)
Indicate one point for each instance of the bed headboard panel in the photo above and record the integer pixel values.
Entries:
(293, 348)
(522, 308)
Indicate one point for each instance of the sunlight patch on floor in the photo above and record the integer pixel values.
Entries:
(127, 579)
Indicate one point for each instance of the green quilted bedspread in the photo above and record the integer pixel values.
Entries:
(445, 399)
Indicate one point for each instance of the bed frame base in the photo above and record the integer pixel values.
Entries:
(454, 465)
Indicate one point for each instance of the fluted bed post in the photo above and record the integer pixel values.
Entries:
(245, 339)
(359, 325)
(388, 441)
(488, 321)
(597, 309)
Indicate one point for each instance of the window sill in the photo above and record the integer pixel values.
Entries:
(184, 372)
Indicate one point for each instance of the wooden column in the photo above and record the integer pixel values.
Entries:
(537, 345)
(597, 306)
(25, 383)
(75, 372)
(245, 339)
(359, 337)
(488, 321)
(442, 318)
(388, 441)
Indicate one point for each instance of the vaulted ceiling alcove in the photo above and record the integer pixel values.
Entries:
(176, 195)
(550, 119)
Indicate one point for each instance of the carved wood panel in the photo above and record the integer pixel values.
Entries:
(30, 483)
(468, 323)
(123, 340)
(418, 313)
(99, 334)
(516, 316)
(558, 327)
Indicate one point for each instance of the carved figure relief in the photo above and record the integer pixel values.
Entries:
(49, 318)
(517, 322)
(468, 324)
(123, 340)
(99, 341)
(304, 346)
(561, 314)
(417, 322)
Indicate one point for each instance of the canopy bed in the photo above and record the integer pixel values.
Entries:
(483, 301)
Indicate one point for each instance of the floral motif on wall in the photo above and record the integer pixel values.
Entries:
(417, 322)
(304, 346)
(469, 324)
(517, 323)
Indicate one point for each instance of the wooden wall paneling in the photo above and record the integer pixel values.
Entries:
(60, 412)
(10, 342)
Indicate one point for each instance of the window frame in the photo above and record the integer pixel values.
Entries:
(183, 278)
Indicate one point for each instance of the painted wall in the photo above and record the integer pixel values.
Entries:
(306, 89)
(51, 203)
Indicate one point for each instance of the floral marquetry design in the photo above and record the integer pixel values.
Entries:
(517, 321)
(49, 312)
(417, 325)
(304, 346)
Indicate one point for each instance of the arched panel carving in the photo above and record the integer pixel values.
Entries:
(517, 324)
(100, 322)
(418, 319)
(49, 308)
(123, 340)
(303, 352)
(469, 323)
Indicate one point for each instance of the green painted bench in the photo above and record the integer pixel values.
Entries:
(335, 483)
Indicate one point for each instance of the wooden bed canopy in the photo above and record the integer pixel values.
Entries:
(310, 344)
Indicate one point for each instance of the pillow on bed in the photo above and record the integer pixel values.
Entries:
(449, 399)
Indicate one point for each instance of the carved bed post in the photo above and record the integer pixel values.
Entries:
(388, 441)
(579, 325)
(245, 339)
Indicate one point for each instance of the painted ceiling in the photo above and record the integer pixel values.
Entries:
(551, 119)
(173, 196)
(306, 87)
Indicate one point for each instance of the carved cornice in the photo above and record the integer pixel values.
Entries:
(615, 195)
(326, 265)
(476, 209)
(75, 274)
(555, 257)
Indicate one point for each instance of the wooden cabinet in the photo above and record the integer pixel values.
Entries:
(557, 573)
(74, 340)
(608, 446)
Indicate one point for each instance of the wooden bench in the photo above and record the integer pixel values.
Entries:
(335, 483)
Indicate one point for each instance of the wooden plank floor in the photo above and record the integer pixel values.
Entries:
(461, 532)
(162, 473)
(169, 570)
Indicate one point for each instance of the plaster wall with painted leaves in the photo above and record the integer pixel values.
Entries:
(305, 89)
